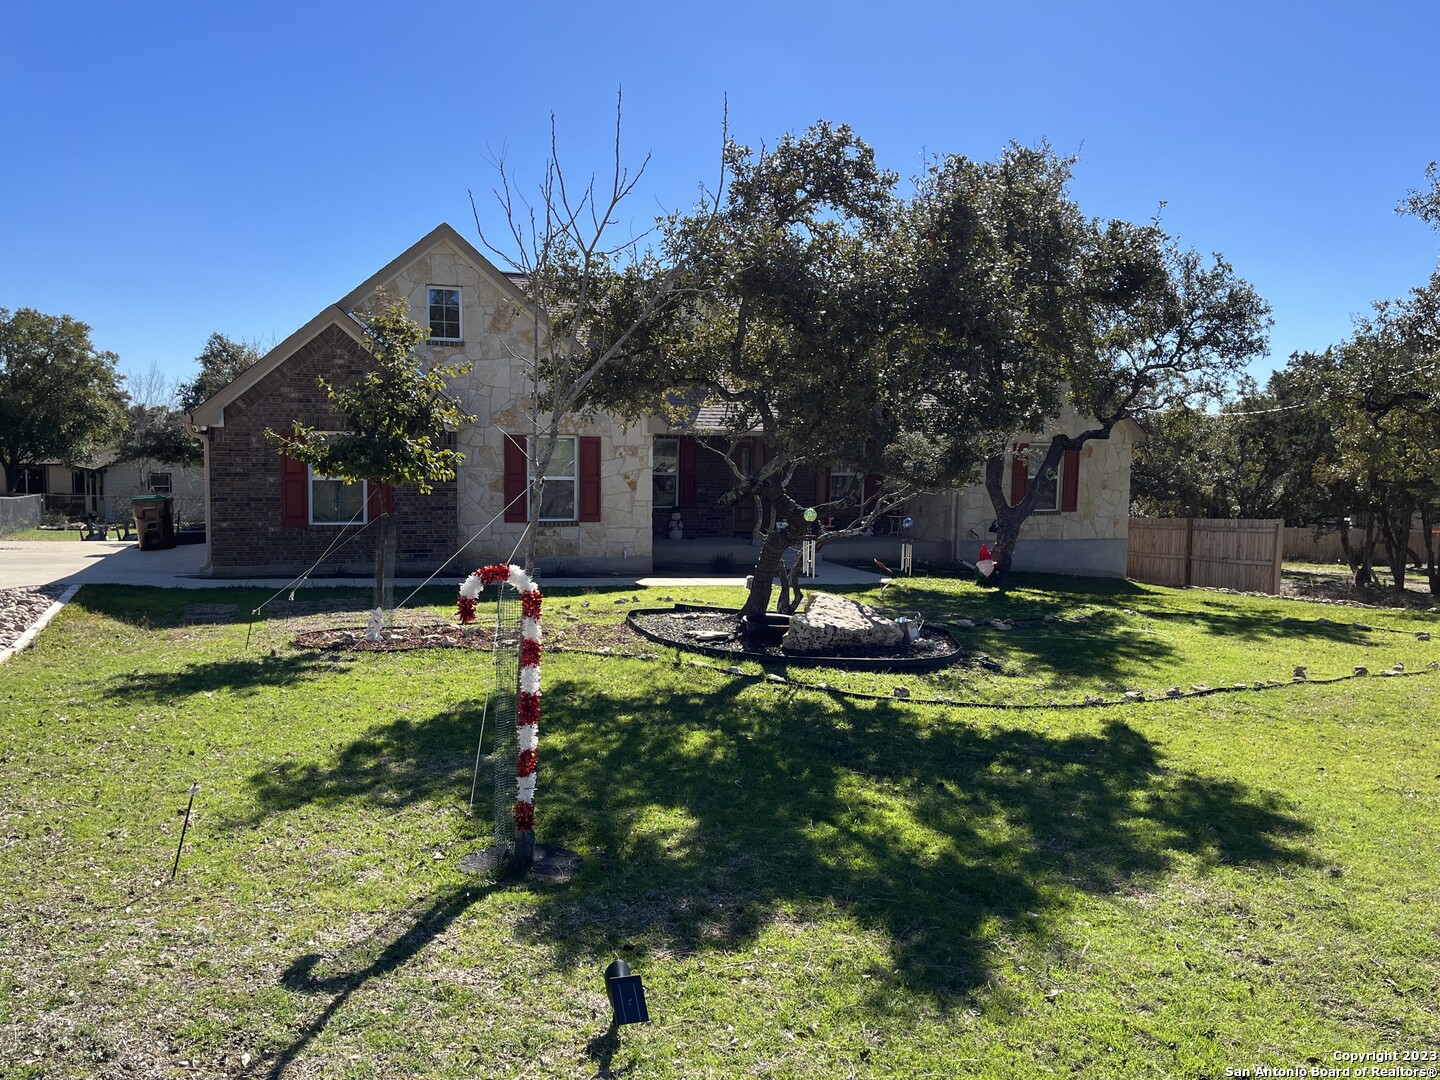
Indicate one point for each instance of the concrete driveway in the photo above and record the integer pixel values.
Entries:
(33, 563)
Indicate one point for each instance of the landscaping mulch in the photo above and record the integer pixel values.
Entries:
(1336, 588)
(618, 640)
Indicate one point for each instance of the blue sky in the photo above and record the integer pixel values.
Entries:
(173, 170)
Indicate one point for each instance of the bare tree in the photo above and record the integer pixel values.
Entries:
(593, 298)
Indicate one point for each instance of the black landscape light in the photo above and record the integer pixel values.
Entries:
(627, 995)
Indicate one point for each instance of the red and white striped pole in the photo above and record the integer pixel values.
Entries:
(527, 707)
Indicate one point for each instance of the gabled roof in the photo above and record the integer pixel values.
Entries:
(212, 412)
(442, 233)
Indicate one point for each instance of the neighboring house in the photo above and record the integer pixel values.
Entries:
(103, 486)
(611, 489)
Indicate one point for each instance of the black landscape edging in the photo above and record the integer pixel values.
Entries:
(844, 663)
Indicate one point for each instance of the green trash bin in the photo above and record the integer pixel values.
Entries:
(154, 521)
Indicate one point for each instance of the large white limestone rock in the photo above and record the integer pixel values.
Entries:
(828, 622)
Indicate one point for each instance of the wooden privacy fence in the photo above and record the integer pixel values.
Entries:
(1302, 545)
(1218, 554)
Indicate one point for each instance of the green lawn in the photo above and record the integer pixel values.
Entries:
(72, 535)
(812, 882)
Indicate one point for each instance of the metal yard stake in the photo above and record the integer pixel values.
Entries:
(194, 789)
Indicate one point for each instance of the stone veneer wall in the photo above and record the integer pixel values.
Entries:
(499, 335)
(1093, 539)
(245, 531)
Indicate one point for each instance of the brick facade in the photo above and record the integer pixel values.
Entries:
(246, 533)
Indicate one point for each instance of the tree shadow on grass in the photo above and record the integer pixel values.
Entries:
(395, 764)
(238, 675)
(927, 830)
(388, 949)
(703, 814)
(1223, 620)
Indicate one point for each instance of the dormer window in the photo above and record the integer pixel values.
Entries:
(444, 314)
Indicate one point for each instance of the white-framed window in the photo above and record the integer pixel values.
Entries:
(444, 303)
(335, 502)
(844, 485)
(665, 469)
(160, 483)
(560, 498)
(1048, 496)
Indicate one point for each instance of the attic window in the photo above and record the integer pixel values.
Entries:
(444, 314)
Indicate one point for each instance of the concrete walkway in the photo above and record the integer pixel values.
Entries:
(95, 562)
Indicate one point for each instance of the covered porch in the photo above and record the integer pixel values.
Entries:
(729, 555)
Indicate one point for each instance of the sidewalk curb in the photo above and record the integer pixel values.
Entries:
(25, 640)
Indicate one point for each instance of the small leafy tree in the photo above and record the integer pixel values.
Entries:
(395, 414)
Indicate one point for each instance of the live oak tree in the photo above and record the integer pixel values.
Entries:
(396, 415)
(59, 396)
(155, 411)
(1253, 456)
(1153, 326)
(789, 332)
(154, 427)
(1424, 202)
(1379, 394)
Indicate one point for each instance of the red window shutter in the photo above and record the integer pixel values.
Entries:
(517, 477)
(589, 477)
(1019, 472)
(689, 493)
(1070, 481)
(294, 490)
(872, 489)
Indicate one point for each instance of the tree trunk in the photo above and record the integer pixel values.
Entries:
(382, 545)
(1427, 526)
(791, 594)
(767, 566)
(1395, 527)
(1361, 562)
(1008, 520)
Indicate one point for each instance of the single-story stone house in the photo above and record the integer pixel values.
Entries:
(610, 492)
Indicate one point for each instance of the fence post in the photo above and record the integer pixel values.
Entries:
(1189, 550)
(1276, 570)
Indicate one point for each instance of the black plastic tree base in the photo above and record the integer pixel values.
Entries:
(550, 864)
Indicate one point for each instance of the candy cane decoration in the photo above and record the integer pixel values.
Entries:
(527, 706)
